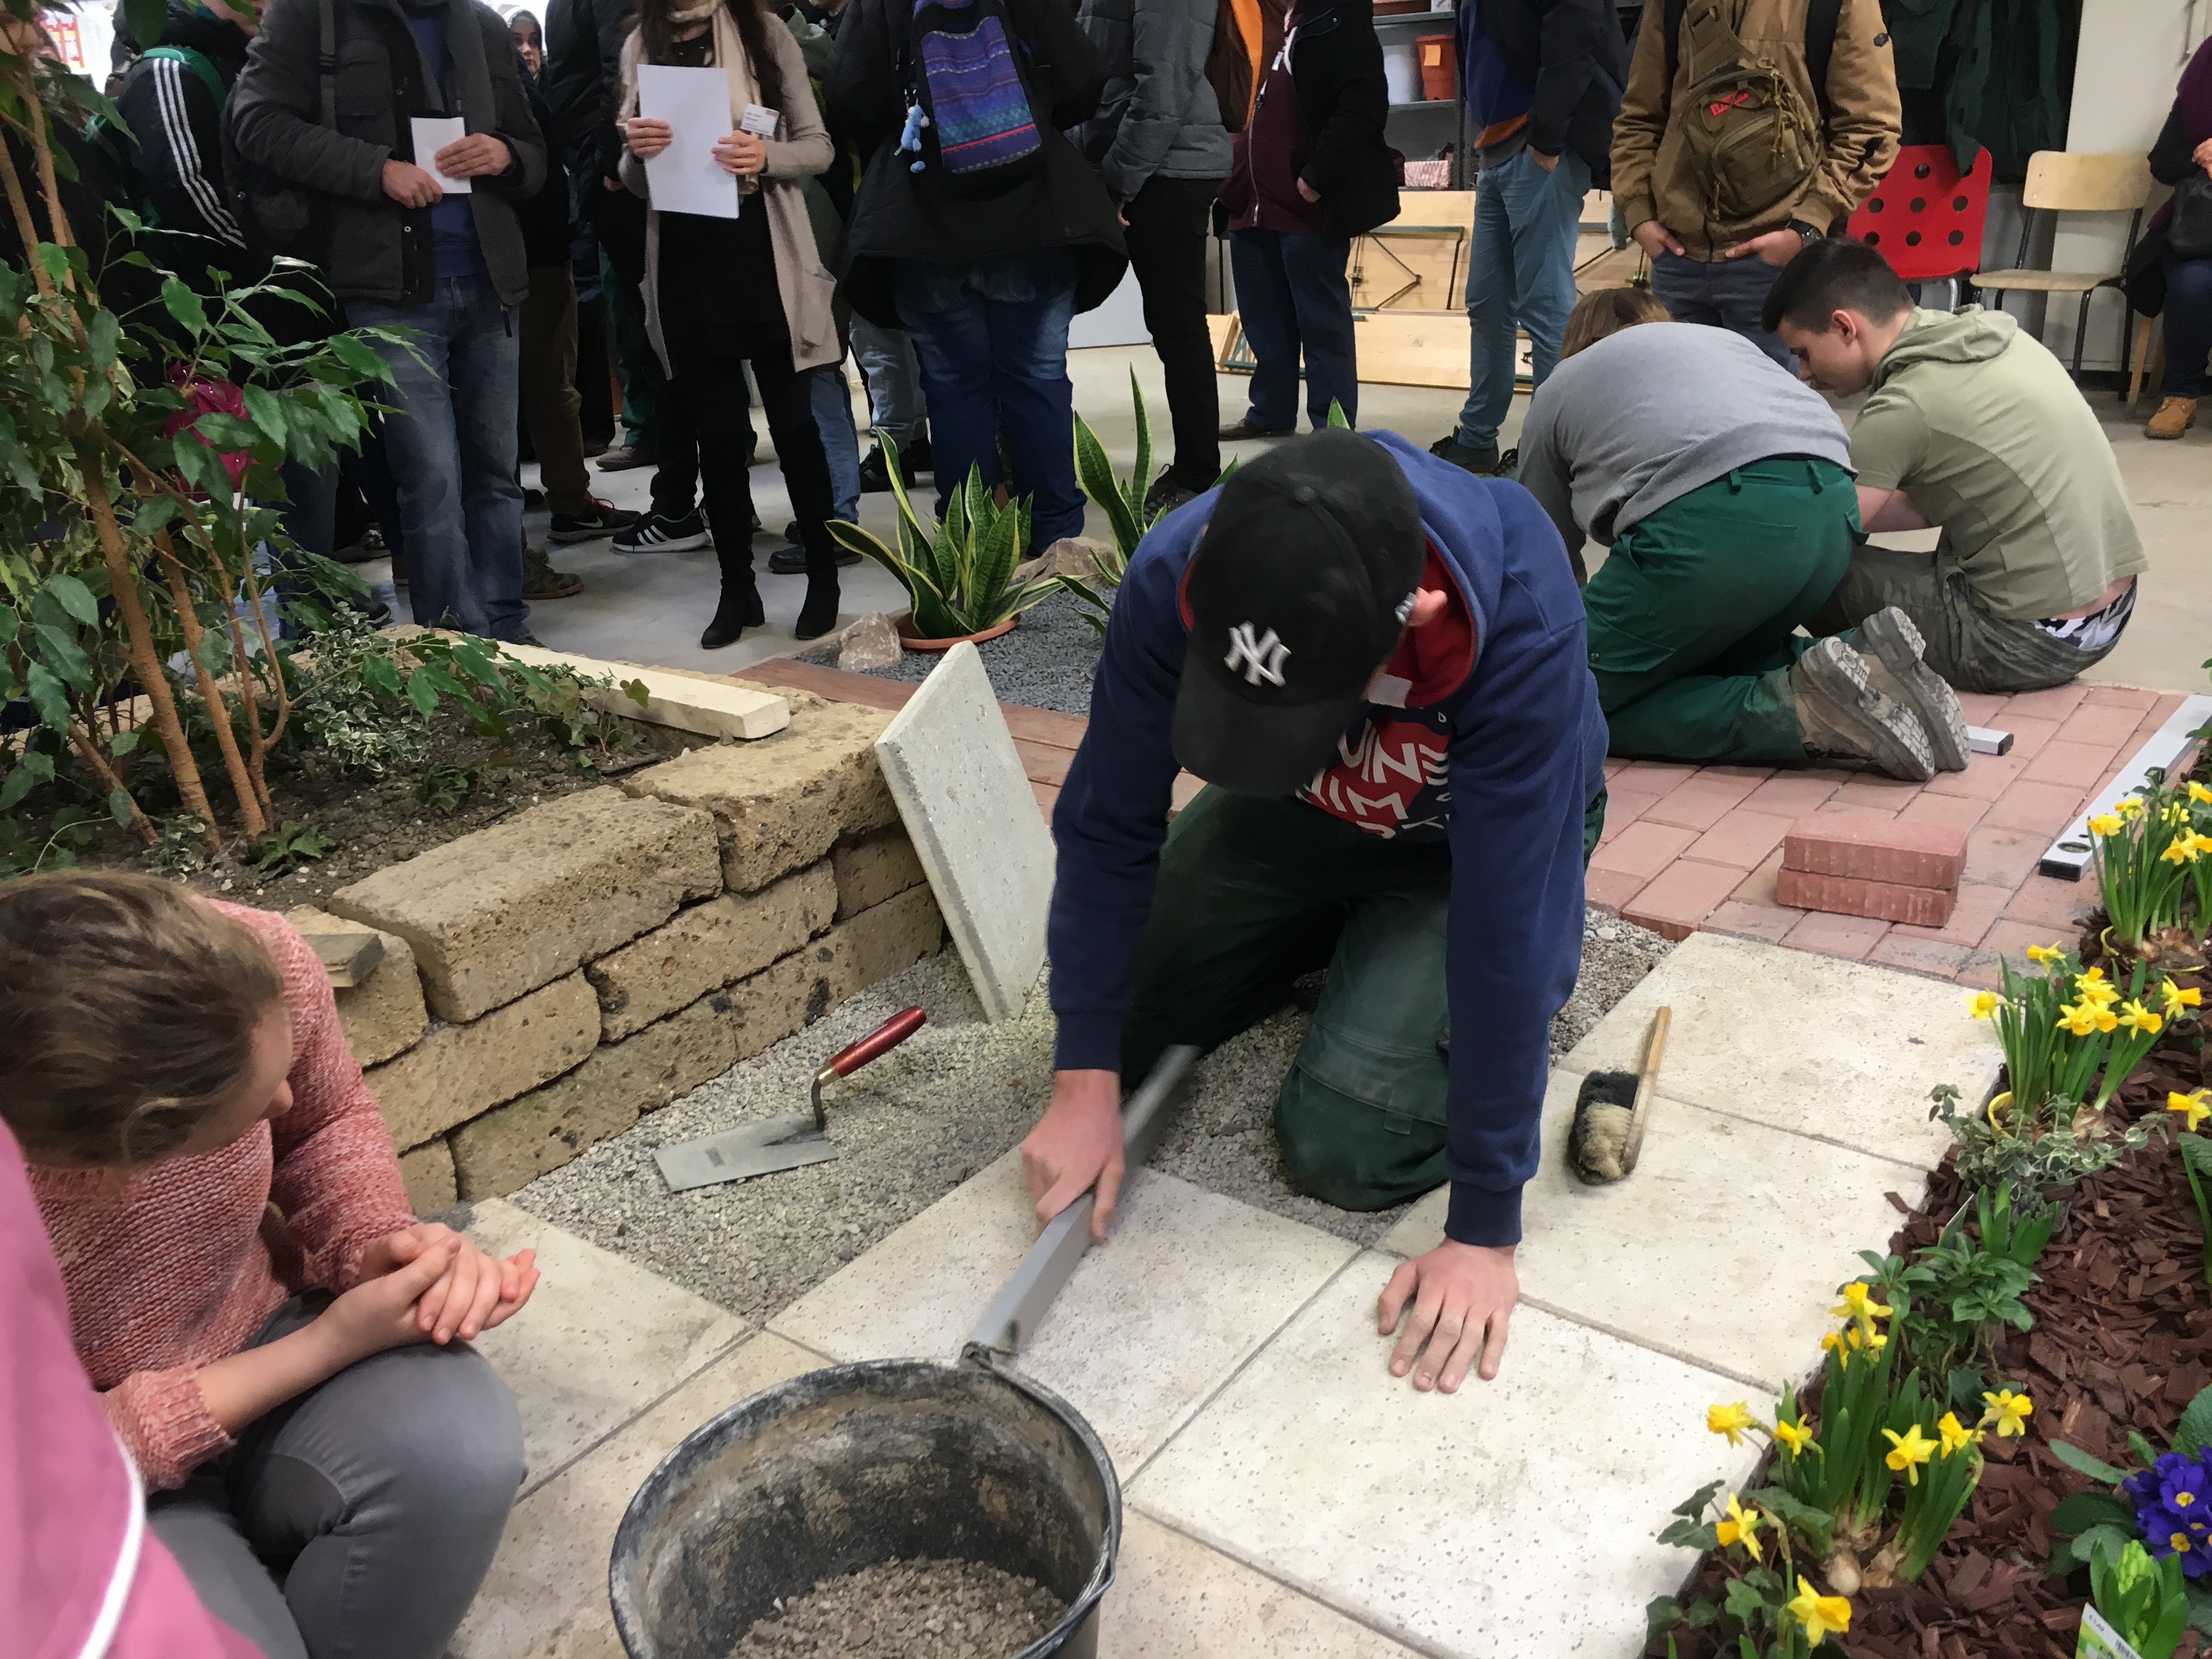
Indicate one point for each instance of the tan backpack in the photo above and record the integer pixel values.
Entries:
(1743, 141)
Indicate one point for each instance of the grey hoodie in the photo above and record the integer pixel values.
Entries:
(1626, 426)
(1158, 114)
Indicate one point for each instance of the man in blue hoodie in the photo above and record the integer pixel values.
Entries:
(1377, 662)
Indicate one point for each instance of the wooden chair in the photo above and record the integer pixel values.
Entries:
(2065, 181)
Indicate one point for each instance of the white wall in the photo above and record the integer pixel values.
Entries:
(2132, 53)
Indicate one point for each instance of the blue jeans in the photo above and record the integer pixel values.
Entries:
(2188, 326)
(991, 340)
(832, 398)
(1293, 298)
(1723, 294)
(1520, 273)
(450, 444)
(894, 378)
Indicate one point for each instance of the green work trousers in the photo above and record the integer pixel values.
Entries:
(1255, 892)
(1692, 615)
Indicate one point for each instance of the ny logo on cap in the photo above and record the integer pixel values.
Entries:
(1260, 659)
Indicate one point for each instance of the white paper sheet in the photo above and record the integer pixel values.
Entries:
(685, 177)
(432, 134)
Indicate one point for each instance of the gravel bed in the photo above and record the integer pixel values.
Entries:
(931, 1114)
(918, 1609)
(1045, 661)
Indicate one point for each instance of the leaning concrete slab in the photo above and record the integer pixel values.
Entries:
(952, 769)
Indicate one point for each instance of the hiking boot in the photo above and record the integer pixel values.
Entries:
(540, 580)
(1237, 431)
(2175, 416)
(599, 518)
(1483, 463)
(622, 457)
(792, 561)
(1840, 714)
(1168, 493)
(654, 533)
(1890, 648)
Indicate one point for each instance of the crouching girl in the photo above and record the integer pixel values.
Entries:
(279, 1345)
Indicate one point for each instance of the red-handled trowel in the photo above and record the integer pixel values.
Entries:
(779, 1142)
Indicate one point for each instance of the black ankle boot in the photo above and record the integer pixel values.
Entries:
(741, 605)
(819, 614)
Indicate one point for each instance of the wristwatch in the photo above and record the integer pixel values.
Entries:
(1806, 233)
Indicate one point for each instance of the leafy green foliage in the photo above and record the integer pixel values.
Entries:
(2143, 1599)
(958, 575)
(1122, 500)
(287, 847)
(443, 788)
(2028, 1157)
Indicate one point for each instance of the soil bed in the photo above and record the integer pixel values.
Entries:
(378, 821)
(1045, 661)
(931, 1114)
(918, 1609)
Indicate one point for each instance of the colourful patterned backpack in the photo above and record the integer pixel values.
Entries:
(969, 105)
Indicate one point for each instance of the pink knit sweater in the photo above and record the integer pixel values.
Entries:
(179, 1265)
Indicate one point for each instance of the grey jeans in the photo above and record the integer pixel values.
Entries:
(1723, 294)
(1970, 646)
(894, 376)
(356, 1520)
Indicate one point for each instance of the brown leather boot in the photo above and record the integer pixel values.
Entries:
(2175, 416)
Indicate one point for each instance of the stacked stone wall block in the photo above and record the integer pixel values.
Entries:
(707, 946)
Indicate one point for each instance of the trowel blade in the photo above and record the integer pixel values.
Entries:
(752, 1149)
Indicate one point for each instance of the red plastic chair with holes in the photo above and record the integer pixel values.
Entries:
(1926, 219)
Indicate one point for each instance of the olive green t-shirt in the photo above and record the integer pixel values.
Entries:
(1980, 427)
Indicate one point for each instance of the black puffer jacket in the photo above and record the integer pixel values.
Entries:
(368, 245)
(1336, 63)
(900, 214)
(582, 83)
(1572, 57)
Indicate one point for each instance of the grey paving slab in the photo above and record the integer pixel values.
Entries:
(546, 1594)
(969, 811)
(1806, 1042)
(1515, 1517)
(1152, 1321)
(600, 1341)
(1662, 1258)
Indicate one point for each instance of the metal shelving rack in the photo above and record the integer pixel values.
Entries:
(1419, 130)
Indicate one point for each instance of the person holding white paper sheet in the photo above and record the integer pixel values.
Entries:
(721, 292)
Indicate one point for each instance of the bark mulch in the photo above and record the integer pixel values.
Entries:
(2122, 1339)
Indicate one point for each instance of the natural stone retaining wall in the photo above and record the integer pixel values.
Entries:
(548, 980)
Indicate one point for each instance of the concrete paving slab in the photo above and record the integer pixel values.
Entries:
(1153, 1321)
(1173, 1598)
(1513, 1517)
(960, 786)
(600, 1341)
(1813, 1044)
(546, 1594)
(1654, 1259)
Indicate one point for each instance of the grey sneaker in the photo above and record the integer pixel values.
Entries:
(1840, 713)
(1890, 648)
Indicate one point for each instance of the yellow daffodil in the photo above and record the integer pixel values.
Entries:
(2092, 986)
(1983, 1004)
(2176, 813)
(2195, 1102)
(2176, 998)
(1730, 1420)
(1909, 1451)
(2084, 1017)
(2129, 806)
(1955, 1434)
(1795, 1436)
(1859, 1305)
(2046, 954)
(1739, 1529)
(2197, 792)
(1819, 1615)
(2138, 1018)
(2008, 1410)
(2105, 824)
(2182, 849)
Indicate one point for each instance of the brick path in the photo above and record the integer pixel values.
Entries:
(1689, 847)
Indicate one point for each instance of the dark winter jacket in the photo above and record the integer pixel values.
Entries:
(582, 83)
(176, 128)
(900, 214)
(1336, 65)
(1160, 114)
(369, 246)
(1570, 54)
(1507, 745)
(547, 229)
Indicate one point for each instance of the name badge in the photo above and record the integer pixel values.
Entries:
(759, 120)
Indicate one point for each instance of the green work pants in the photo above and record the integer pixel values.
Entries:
(1692, 614)
(1255, 892)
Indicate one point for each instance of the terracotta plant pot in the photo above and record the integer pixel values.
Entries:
(913, 641)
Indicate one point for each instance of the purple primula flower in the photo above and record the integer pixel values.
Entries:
(2187, 1491)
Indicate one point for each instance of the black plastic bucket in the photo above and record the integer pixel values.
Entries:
(842, 1469)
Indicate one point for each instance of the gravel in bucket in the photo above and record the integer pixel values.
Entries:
(932, 1113)
(918, 1609)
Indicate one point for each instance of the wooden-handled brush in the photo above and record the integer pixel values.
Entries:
(1611, 1111)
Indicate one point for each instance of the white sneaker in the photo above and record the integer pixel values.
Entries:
(655, 534)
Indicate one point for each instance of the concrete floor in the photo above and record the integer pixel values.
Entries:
(650, 609)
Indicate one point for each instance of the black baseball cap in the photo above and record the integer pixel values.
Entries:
(1297, 592)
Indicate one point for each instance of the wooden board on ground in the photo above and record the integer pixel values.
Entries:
(1409, 268)
(1222, 329)
(709, 705)
(1414, 348)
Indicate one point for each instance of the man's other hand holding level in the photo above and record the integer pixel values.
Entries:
(1076, 1143)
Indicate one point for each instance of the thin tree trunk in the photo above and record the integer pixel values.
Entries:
(138, 637)
(89, 751)
(251, 818)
